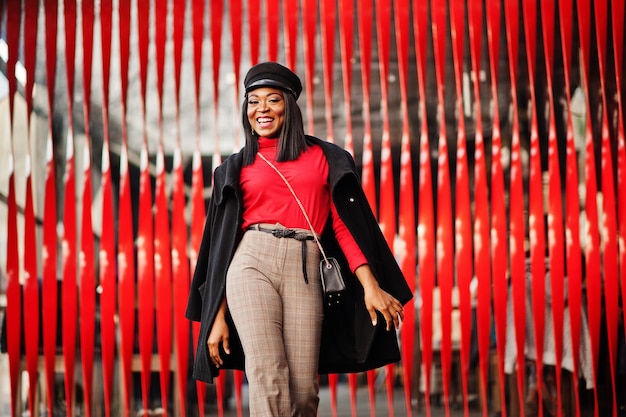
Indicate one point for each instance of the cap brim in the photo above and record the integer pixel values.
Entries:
(269, 83)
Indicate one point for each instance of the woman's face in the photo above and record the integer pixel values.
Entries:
(266, 111)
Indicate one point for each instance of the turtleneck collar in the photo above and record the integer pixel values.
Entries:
(265, 143)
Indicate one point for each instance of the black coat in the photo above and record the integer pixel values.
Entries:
(349, 341)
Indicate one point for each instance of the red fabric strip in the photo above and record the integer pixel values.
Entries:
(236, 12)
(482, 243)
(69, 259)
(178, 37)
(516, 201)
(609, 223)
(272, 25)
(617, 13)
(195, 238)
(536, 227)
(14, 16)
(145, 276)
(593, 275)
(328, 16)
(198, 41)
(31, 278)
(445, 252)
(291, 15)
(310, 30)
(555, 216)
(572, 206)
(125, 254)
(49, 281)
(217, 11)
(87, 286)
(31, 15)
(254, 26)
(364, 22)
(14, 296)
(499, 221)
(163, 275)
(346, 33)
(407, 231)
(463, 223)
(160, 37)
(181, 277)
(387, 213)
(143, 31)
(107, 270)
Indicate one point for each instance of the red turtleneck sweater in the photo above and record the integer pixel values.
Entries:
(266, 198)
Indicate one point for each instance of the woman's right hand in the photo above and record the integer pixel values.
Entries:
(219, 334)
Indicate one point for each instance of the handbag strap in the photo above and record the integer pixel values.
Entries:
(299, 204)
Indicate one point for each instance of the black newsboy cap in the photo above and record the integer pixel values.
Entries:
(272, 74)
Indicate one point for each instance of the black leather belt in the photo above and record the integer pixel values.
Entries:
(289, 234)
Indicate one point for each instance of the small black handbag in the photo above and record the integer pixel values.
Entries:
(333, 284)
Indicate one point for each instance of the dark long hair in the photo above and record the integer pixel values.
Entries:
(291, 141)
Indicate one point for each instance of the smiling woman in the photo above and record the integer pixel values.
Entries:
(257, 290)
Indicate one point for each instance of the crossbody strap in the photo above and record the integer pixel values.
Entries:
(299, 204)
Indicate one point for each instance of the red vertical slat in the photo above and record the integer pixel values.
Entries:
(516, 201)
(346, 44)
(482, 243)
(254, 26)
(310, 30)
(13, 290)
(425, 212)
(572, 205)
(364, 22)
(609, 224)
(179, 254)
(291, 16)
(499, 222)
(272, 24)
(445, 268)
(125, 245)
(162, 249)
(31, 277)
(327, 28)
(617, 14)
(387, 212)
(406, 252)
(197, 184)
(535, 201)
(107, 236)
(13, 293)
(217, 11)
(236, 12)
(49, 253)
(87, 285)
(69, 257)
(328, 14)
(163, 275)
(197, 226)
(463, 226)
(555, 205)
(592, 245)
(145, 232)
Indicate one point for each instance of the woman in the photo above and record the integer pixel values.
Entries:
(256, 288)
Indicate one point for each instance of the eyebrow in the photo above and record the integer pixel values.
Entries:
(267, 95)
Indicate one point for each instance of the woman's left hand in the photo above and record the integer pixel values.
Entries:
(377, 299)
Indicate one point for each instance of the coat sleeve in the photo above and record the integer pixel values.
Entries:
(194, 303)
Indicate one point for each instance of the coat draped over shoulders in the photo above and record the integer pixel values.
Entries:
(349, 341)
